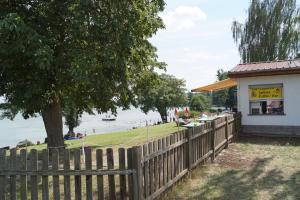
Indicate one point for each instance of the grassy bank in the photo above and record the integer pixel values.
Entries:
(253, 168)
(122, 138)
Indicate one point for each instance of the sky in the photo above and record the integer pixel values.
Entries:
(197, 40)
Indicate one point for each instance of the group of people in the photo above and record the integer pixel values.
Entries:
(71, 135)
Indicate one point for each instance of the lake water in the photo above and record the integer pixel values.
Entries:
(12, 132)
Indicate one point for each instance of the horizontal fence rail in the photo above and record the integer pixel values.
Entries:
(140, 172)
(167, 160)
(66, 174)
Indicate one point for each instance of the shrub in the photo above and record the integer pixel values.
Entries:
(192, 113)
(199, 102)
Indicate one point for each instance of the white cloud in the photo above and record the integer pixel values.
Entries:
(195, 46)
(183, 18)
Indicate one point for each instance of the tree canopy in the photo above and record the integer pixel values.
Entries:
(270, 32)
(91, 54)
(199, 102)
(164, 93)
(224, 97)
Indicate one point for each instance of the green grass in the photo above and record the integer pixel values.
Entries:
(123, 138)
(252, 169)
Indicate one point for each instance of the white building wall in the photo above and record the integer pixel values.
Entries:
(291, 92)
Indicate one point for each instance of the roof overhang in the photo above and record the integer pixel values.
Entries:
(220, 85)
(263, 73)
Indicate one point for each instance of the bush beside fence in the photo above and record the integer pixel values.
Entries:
(140, 172)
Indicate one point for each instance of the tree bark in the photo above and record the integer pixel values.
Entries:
(52, 117)
(163, 115)
(71, 129)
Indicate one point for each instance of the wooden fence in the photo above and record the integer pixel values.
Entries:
(167, 160)
(140, 172)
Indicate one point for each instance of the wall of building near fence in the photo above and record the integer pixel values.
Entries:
(286, 124)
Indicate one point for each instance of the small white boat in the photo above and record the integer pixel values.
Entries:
(109, 118)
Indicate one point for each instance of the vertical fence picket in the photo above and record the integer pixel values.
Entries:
(2, 177)
(55, 167)
(67, 182)
(226, 132)
(77, 166)
(132, 188)
(213, 140)
(89, 178)
(13, 167)
(176, 156)
(156, 177)
(194, 146)
(184, 147)
(165, 170)
(179, 153)
(122, 177)
(146, 171)
(137, 166)
(172, 156)
(23, 178)
(182, 151)
(168, 160)
(111, 178)
(189, 149)
(45, 166)
(99, 165)
(160, 164)
(33, 178)
(151, 168)
(197, 143)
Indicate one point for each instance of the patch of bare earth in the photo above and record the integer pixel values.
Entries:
(234, 157)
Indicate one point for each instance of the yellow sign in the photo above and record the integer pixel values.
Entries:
(265, 93)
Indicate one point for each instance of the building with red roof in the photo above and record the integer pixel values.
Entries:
(268, 96)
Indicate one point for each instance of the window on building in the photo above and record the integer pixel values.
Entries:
(266, 99)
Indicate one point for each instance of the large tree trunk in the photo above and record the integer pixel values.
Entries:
(52, 117)
(163, 115)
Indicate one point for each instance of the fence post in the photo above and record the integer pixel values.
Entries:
(33, 178)
(137, 166)
(13, 178)
(234, 131)
(213, 133)
(239, 123)
(2, 178)
(226, 132)
(23, 179)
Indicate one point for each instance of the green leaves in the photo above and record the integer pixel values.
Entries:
(166, 91)
(91, 54)
(199, 102)
(24, 57)
(224, 97)
(270, 32)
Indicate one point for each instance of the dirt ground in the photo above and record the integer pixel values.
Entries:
(252, 168)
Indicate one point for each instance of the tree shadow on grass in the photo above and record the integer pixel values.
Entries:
(246, 184)
(281, 141)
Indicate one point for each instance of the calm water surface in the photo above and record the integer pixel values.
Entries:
(11, 132)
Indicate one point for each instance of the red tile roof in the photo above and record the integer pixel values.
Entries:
(266, 68)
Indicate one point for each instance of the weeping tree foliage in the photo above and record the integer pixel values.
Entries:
(165, 92)
(84, 53)
(270, 32)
